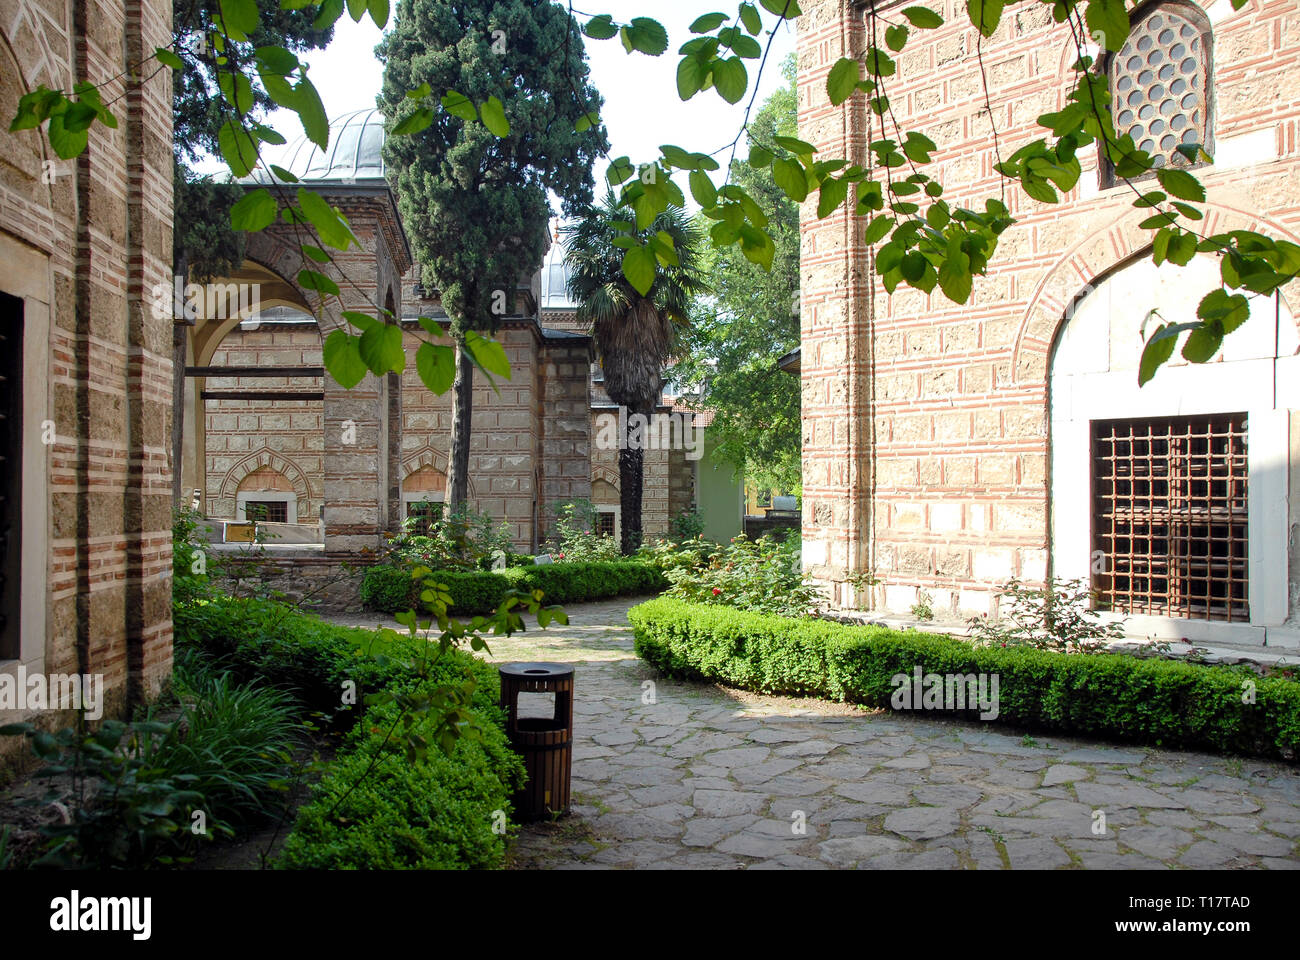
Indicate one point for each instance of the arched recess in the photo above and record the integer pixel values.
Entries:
(429, 458)
(1170, 526)
(1076, 271)
(228, 489)
(607, 474)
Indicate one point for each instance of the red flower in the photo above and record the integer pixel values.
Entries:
(716, 591)
(559, 556)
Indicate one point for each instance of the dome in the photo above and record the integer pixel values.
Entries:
(555, 272)
(353, 153)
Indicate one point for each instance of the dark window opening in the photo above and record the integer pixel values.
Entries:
(425, 513)
(1169, 517)
(267, 511)
(11, 474)
(605, 523)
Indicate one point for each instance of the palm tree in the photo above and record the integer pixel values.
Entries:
(635, 334)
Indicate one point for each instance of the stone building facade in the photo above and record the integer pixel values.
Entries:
(951, 448)
(263, 425)
(85, 514)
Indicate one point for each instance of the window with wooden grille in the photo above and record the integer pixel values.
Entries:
(268, 511)
(1160, 83)
(11, 473)
(425, 513)
(1169, 520)
(606, 523)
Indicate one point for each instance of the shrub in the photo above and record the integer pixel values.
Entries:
(460, 540)
(763, 575)
(389, 587)
(435, 812)
(1057, 617)
(1161, 702)
(576, 539)
(687, 525)
(475, 592)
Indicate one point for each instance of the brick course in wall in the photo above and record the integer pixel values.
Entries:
(925, 427)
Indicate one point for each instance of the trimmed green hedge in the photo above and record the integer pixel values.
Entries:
(390, 588)
(1167, 703)
(435, 813)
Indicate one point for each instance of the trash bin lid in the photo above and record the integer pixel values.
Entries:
(536, 671)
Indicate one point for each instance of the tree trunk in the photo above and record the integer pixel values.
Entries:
(630, 476)
(462, 409)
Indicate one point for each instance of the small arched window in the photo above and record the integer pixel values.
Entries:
(1161, 82)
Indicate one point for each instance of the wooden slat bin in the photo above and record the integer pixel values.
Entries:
(545, 743)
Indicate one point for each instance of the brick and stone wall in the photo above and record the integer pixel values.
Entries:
(243, 436)
(84, 244)
(925, 423)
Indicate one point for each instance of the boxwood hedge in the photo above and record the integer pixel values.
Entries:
(434, 813)
(1166, 703)
(390, 588)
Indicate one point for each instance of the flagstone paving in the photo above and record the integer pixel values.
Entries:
(670, 774)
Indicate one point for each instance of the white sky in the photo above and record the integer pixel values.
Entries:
(642, 109)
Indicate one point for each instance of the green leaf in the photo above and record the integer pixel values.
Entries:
(1108, 23)
(708, 22)
(730, 78)
(237, 148)
(798, 147)
(702, 189)
(922, 17)
(414, 122)
(918, 147)
(333, 231)
(168, 59)
(788, 9)
(955, 276)
(1230, 310)
(488, 354)
(311, 112)
(1203, 342)
(833, 193)
(494, 117)
(381, 350)
(691, 72)
(436, 365)
(896, 37)
(378, 13)
(646, 35)
(985, 15)
(1181, 184)
(362, 321)
(312, 280)
(459, 105)
(65, 142)
(239, 17)
(791, 178)
(1157, 351)
(254, 211)
(343, 360)
(619, 171)
(356, 9)
(878, 228)
(586, 122)
(601, 27)
(759, 156)
(639, 267)
(843, 80)
(750, 18)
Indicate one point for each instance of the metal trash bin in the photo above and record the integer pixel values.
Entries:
(546, 743)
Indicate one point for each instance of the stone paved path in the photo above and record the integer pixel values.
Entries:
(705, 777)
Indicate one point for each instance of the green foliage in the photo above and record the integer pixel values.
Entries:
(236, 742)
(478, 592)
(576, 539)
(687, 525)
(1058, 616)
(730, 349)
(459, 539)
(376, 810)
(923, 609)
(762, 575)
(1166, 703)
(126, 808)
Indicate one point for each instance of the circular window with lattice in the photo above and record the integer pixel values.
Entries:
(1161, 83)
